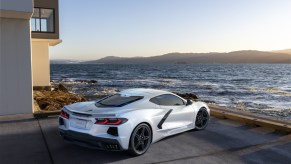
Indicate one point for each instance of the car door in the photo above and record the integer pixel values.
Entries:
(179, 117)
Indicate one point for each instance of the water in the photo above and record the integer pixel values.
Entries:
(254, 87)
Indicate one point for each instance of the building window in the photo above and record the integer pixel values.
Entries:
(42, 20)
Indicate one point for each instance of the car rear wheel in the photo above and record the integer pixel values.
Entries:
(202, 119)
(140, 139)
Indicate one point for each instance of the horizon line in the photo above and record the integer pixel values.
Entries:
(272, 51)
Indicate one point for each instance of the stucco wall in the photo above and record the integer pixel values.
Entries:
(16, 9)
(15, 66)
(40, 63)
(16, 5)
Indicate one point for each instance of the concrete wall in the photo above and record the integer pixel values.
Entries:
(16, 5)
(40, 63)
(15, 66)
(15, 57)
(16, 9)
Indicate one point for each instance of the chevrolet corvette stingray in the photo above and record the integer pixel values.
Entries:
(131, 120)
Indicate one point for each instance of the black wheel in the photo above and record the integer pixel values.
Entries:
(202, 119)
(140, 140)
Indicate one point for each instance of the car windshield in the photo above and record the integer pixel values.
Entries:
(117, 100)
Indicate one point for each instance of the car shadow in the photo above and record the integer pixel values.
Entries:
(61, 151)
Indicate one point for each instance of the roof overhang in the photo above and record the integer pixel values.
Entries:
(15, 14)
(51, 42)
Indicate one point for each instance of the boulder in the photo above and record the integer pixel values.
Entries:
(93, 81)
(56, 99)
(62, 87)
(190, 96)
(87, 81)
(43, 104)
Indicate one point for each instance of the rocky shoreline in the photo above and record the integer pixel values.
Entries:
(60, 95)
(55, 99)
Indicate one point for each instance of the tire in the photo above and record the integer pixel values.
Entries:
(140, 140)
(202, 119)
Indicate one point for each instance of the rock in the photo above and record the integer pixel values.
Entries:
(87, 81)
(81, 81)
(51, 108)
(55, 100)
(187, 95)
(38, 94)
(93, 81)
(62, 87)
(42, 104)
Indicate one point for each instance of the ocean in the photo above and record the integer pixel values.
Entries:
(261, 88)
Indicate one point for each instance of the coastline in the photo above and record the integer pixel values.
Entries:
(72, 92)
(57, 98)
(231, 86)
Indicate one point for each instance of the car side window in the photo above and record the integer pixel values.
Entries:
(167, 100)
(155, 100)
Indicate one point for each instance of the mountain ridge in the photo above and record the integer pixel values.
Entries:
(234, 57)
(286, 51)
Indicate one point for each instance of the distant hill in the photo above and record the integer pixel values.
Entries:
(63, 61)
(287, 51)
(235, 57)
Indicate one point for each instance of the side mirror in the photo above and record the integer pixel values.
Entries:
(189, 102)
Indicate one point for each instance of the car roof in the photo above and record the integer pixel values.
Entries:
(144, 92)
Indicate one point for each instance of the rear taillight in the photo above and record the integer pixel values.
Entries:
(65, 114)
(110, 121)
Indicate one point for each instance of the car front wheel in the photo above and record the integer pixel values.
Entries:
(202, 119)
(140, 139)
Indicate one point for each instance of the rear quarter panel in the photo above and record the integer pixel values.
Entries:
(150, 116)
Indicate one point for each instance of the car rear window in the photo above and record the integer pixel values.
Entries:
(117, 100)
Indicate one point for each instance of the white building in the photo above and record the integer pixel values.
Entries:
(27, 29)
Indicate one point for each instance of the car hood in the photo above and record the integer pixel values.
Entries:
(90, 108)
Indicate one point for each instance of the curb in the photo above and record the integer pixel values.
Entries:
(40, 114)
(249, 119)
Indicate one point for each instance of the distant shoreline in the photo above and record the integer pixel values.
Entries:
(235, 57)
(171, 64)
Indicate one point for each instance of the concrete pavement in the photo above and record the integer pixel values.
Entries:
(24, 139)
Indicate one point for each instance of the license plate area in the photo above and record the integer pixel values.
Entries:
(78, 123)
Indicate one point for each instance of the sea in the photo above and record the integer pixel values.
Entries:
(259, 88)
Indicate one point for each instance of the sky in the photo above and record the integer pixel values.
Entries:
(92, 29)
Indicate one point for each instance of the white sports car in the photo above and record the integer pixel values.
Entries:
(131, 120)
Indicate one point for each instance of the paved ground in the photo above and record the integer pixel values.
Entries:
(24, 139)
